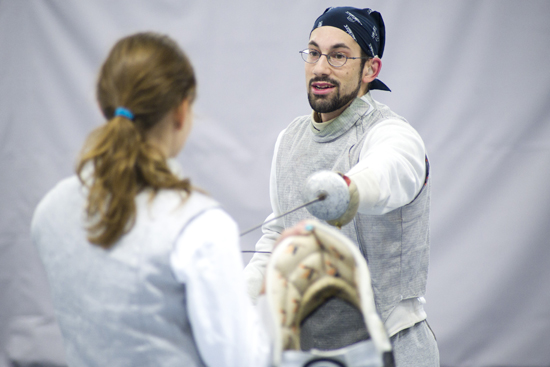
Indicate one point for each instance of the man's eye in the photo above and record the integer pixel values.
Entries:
(313, 53)
(338, 56)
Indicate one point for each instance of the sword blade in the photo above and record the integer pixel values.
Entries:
(322, 196)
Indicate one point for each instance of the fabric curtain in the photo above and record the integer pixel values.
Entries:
(471, 76)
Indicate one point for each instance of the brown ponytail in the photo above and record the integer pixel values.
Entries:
(148, 74)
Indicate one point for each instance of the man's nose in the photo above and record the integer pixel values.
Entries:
(322, 66)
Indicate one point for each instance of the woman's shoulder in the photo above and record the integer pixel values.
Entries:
(67, 186)
(170, 196)
(60, 199)
(173, 205)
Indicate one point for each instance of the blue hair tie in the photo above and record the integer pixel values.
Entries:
(122, 111)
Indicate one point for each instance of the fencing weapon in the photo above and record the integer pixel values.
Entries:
(325, 194)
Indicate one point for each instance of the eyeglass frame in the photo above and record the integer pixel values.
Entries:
(328, 56)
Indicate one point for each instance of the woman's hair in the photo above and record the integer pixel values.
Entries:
(149, 75)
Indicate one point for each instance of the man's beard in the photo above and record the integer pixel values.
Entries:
(325, 104)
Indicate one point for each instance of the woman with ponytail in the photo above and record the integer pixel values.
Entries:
(145, 270)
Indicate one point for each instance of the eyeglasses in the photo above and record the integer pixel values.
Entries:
(336, 59)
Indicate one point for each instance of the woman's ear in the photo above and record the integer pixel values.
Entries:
(182, 114)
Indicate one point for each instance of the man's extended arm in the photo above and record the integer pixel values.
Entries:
(391, 169)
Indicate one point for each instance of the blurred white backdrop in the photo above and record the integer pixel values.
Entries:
(470, 76)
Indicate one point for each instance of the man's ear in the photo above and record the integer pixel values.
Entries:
(371, 70)
(182, 113)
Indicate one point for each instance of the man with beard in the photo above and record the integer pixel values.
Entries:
(384, 162)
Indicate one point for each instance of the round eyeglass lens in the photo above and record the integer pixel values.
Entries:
(337, 59)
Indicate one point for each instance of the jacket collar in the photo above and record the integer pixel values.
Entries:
(341, 124)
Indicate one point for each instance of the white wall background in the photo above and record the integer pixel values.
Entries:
(471, 76)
